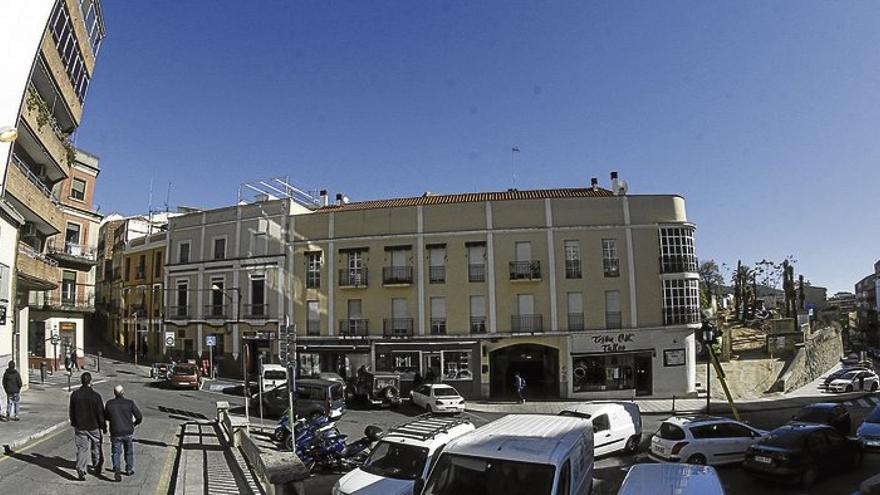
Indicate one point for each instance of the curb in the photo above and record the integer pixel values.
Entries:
(22, 442)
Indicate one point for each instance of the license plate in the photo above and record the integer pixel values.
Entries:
(765, 460)
(660, 450)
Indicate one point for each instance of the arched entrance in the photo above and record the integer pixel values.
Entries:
(538, 364)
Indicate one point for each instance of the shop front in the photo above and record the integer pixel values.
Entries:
(629, 363)
(332, 356)
(450, 362)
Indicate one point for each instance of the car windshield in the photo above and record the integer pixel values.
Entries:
(336, 391)
(456, 474)
(188, 370)
(874, 417)
(669, 431)
(274, 375)
(445, 392)
(396, 460)
(811, 415)
(785, 438)
(849, 376)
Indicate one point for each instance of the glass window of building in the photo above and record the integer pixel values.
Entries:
(681, 301)
(573, 259)
(313, 269)
(598, 373)
(677, 250)
(457, 365)
(78, 189)
(610, 261)
(220, 248)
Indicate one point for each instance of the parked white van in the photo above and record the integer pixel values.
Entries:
(519, 454)
(272, 376)
(617, 426)
(671, 479)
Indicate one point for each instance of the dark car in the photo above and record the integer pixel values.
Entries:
(842, 371)
(313, 396)
(824, 413)
(802, 453)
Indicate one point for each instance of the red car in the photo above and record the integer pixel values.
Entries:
(186, 376)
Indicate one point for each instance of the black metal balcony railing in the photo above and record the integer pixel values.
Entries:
(611, 267)
(61, 301)
(575, 321)
(476, 273)
(678, 263)
(526, 323)
(313, 280)
(353, 277)
(354, 327)
(525, 270)
(438, 326)
(216, 311)
(437, 274)
(573, 269)
(177, 313)
(71, 249)
(394, 275)
(478, 324)
(256, 310)
(681, 315)
(613, 320)
(398, 327)
(313, 327)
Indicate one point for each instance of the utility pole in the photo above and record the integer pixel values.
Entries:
(137, 337)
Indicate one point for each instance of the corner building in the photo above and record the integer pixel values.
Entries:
(587, 292)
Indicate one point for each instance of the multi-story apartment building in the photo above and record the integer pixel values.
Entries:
(67, 310)
(42, 157)
(226, 273)
(143, 270)
(587, 292)
(867, 307)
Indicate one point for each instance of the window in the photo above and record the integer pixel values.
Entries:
(355, 273)
(258, 295)
(681, 302)
(78, 189)
(217, 308)
(68, 49)
(572, 259)
(610, 262)
(71, 235)
(601, 423)
(708, 431)
(438, 315)
(68, 288)
(565, 477)
(404, 362)
(313, 324)
(220, 248)
(677, 250)
(183, 252)
(4, 282)
(457, 365)
(437, 264)
(313, 269)
(596, 373)
(157, 264)
(127, 268)
(476, 261)
(182, 309)
(613, 318)
(524, 267)
(575, 311)
(478, 314)
(156, 299)
(142, 267)
(399, 272)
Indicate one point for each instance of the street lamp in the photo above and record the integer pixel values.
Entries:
(8, 134)
(707, 332)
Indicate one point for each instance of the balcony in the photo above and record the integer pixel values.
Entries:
(34, 270)
(69, 253)
(398, 327)
(51, 139)
(438, 326)
(54, 67)
(353, 277)
(525, 270)
(575, 321)
(613, 320)
(682, 315)
(178, 313)
(354, 327)
(477, 272)
(33, 198)
(437, 274)
(573, 269)
(256, 311)
(478, 324)
(313, 327)
(216, 312)
(526, 323)
(679, 263)
(611, 267)
(397, 275)
(57, 301)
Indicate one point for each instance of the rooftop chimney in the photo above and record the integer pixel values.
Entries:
(615, 183)
(338, 199)
(594, 184)
(325, 200)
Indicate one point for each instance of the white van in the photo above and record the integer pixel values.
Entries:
(617, 426)
(671, 479)
(519, 454)
(272, 376)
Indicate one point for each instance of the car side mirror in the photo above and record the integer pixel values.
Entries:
(418, 486)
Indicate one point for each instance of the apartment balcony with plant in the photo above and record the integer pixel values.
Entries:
(32, 195)
(525, 270)
(71, 253)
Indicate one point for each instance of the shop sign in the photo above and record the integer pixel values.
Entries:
(613, 342)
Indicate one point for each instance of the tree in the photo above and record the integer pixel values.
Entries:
(710, 278)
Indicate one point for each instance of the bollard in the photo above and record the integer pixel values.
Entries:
(68, 380)
(43, 372)
(98, 367)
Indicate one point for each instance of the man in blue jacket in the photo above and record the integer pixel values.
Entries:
(123, 415)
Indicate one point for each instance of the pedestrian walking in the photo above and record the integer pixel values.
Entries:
(12, 387)
(519, 383)
(87, 418)
(123, 415)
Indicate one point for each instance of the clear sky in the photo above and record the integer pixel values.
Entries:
(764, 115)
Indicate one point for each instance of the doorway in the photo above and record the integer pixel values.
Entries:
(537, 364)
(431, 367)
(643, 380)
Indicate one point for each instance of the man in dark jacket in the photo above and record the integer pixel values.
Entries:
(87, 419)
(12, 387)
(123, 415)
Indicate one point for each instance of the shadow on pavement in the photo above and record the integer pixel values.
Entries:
(151, 443)
(58, 465)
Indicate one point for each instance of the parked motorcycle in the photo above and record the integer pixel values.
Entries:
(317, 442)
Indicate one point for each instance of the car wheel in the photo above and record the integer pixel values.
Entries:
(849, 388)
(698, 459)
(632, 445)
(808, 478)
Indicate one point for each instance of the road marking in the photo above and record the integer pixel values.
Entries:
(30, 446)
(165, 477)
(848, 403)
(875, 400)
(864, 403)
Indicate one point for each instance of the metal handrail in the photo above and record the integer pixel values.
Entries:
(72, 249)
(354, 327)
(33, 253)
(33, 179)
(526, 323)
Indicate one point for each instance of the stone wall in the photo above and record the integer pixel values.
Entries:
(821, 351)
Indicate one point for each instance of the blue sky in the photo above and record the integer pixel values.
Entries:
(764, 115)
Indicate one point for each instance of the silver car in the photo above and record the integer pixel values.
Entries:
(869, 430)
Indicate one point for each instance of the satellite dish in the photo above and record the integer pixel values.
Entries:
(623, 186)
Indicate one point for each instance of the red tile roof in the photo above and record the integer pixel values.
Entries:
(445, 199)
